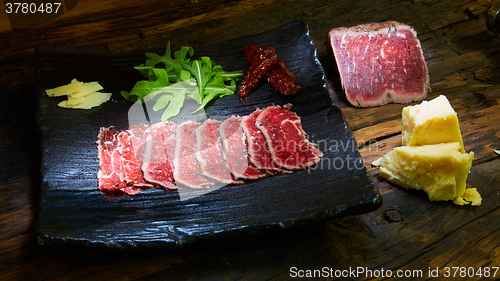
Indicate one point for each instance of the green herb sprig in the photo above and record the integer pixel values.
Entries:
(178, 78)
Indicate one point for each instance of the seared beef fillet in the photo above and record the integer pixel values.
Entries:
(380, 63)
(286, 139)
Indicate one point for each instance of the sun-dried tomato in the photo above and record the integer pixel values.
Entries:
(261, 67)
(252, 53)
(283, 80)
(265, 64)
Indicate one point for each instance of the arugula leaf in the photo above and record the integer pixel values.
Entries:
(217, 88)
(174, 107)
(162, 102)
(175, 79)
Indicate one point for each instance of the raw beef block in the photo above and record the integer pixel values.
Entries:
(380, 63)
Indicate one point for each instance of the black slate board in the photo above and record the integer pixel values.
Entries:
(72, 211)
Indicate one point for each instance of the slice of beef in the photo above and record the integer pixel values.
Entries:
(169, 142)
(258, 151)
(110, 164)
(380, 63)
(186, 167)
(109, 160)
(132, 147)
(286, 139)
(235, 150)
(156, 166)
(209, 152)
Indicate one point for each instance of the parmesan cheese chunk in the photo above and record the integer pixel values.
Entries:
(440, 170)
(431, 122)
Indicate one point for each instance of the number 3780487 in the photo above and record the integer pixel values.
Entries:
(32, 8)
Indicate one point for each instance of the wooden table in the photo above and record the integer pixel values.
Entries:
(407, 233)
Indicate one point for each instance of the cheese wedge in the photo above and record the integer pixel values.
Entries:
(92, 100)
(440, 169)
(431, 122)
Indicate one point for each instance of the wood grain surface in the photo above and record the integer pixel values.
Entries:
(407, 233)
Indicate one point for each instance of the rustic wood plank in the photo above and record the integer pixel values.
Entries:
(392, 237)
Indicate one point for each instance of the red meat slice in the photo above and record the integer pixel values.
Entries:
(209, 152)
(380, 63)
(109, 160)
(157, 168)
(110, 164)
(132, 146)
(286, 139)
(186, 167)
(235, 150)
(258, 151)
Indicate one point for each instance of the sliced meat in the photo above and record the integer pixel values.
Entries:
(235, 150)
(186, 167)
(156, 166)
(110, 164)
(132, 147)
(109, 160)
(258, 151)
(286, 139)
(209, 152)
(206, 155)
(380, 63)
(169, 141)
